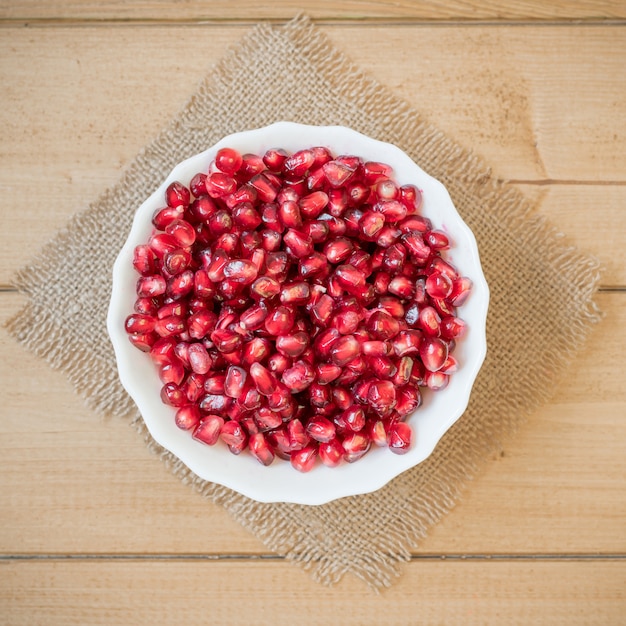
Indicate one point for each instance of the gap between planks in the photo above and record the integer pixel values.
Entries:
(583, 556)
(359, 22)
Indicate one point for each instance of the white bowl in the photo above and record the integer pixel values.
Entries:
(280, 482)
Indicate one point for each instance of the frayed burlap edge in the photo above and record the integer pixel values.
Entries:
(430, 490)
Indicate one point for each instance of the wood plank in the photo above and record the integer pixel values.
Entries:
(325, 9)
(540, 104)
(276, 592)
(73, 483)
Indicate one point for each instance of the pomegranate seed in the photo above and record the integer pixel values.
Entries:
(327, 372)
(437, 240)
(292, 345)
(251, 165)
(208, 430)
(263, 379)
(338, 250)
(404, 370)
(314, 204)
(138, 323)
(144, 260)
(377, 433)
(408, 400)
(226, 340)
(355, 446)
(438, 285)
(142, 341)
(303, 460)
(381, 396)
(215, 384)
(382, 367)
(399, 437)
(407, 342)
(180, 285)
(352, 419)
(173, 372)
(344, 350)
(169, 326)
(235, 380)
(452, 327)
(274, 159)
(382, 326)
(199, 359)
(280, 321)
(296, 433)
(228, 160)
(278, 363)
(436, 381)
(187, 417)
(297, 244)
(265, 188)
(260, 449)
(337, 174)
(173, 395)
(299, 163)
(177, 195)
(374, 171)
(298, 377)
(234, 436)
(433, 352)
(461, 289)
(295, 293)
(320, 429)
(331, 453)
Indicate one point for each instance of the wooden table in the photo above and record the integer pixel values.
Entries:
(93, 529)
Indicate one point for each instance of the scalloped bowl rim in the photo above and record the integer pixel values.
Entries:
(280, 482)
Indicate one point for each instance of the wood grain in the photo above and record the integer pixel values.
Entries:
(275, 592)
(76, 484)
(325, 9)
(543, 104)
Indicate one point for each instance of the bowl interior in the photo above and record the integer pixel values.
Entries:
(279, 481)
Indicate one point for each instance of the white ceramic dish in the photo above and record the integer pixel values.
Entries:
(280, 482)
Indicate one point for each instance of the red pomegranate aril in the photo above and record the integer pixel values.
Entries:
(408, 400)
(298, 377)
(142, 341)
(182, 231)
(433, 352)
(438, 285)
(180, 285)
(188, 416)
(386, 189)
(197, 185)
(265, 188)
(299, 163)
(315, 230)
(352, 419)
(173, 372)
(319, 394)
(420, 297)
(280, 321)
(320, 429)
(161, 243)
(337, 250)
(327, 372)
(355, 445)
(337, 173)
(240, 271)
(377, 433)
(391, 305)
(407, 342)
(144, 260)
(228, 160)
(263, 379)
(208, 429)
(226, 340)
(350, 277)
(296, 433)
(250, 399)
(411, 197)
(201, 209)
(219, 184)
(374, 171)
(401, 286)
(215, 384)
(382, 366)
(312, 205)
(278, 363)
(436, 381)
(382, 326)
(452, 327)
(344, 350)
(297, 244)
(274, 159)
(303, 460)
(437, 240)
(193, 387)
(246, 217)
(200, 323)
(177, 194)
(163, 351)
(199, 359)
(255, 351)
(138, 323)
(292, 345)
(450, 366)
(404, 370)
(381, 396)
(375, 348)
(295, 293)
(165, 216)
(215, 403)
(331, 453)
(429, 321)
(172, 395)
(235, 381)
(289, 214)
(395, 257)
(252, 164)
(399, 437)
(260, 449)
(443, 307)
(176, 261)
(312, 265)
(267, 419)
(461, 289)
(169, 326)
(234, 436)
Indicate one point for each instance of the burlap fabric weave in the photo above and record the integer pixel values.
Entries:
(541, 293)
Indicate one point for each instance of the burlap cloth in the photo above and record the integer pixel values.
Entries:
(541, 293)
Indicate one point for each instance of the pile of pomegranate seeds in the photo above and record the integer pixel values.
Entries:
(295, 304)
